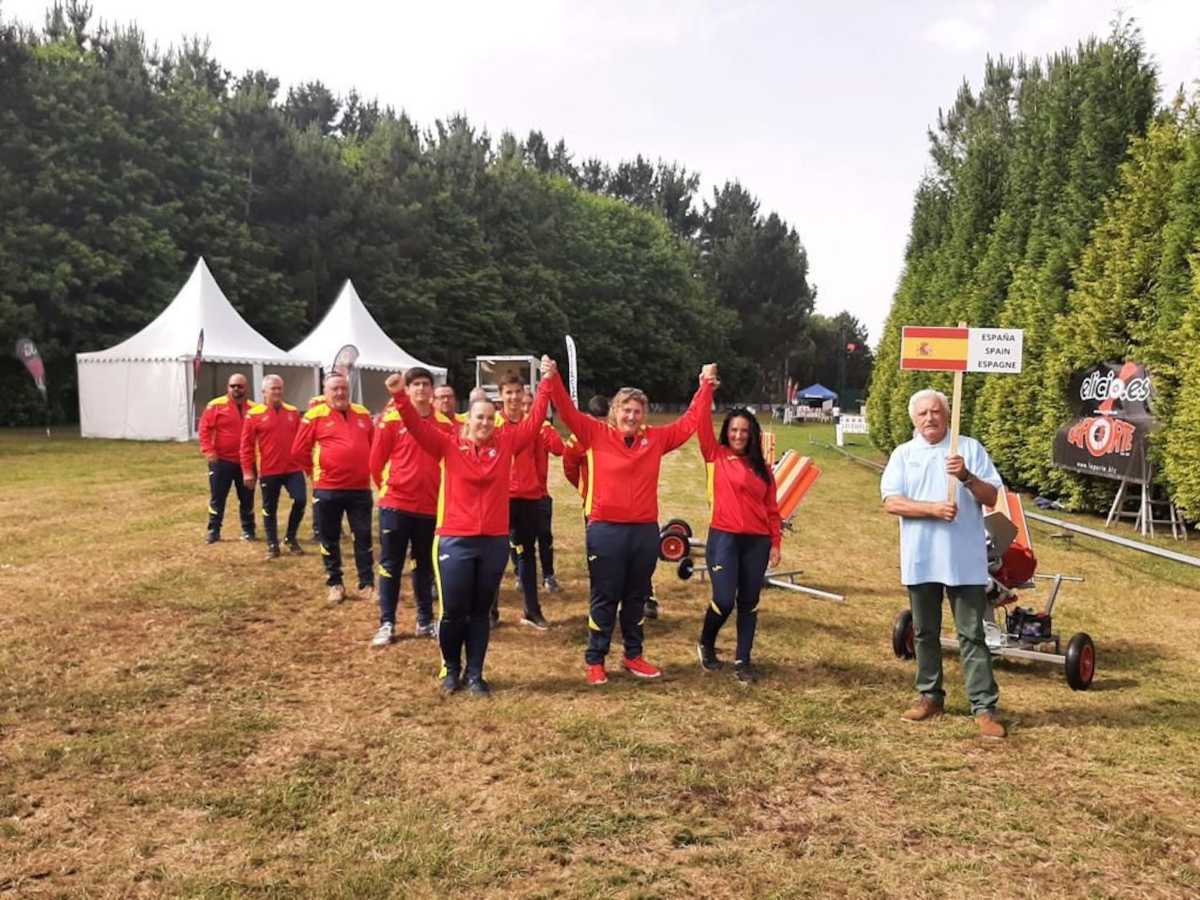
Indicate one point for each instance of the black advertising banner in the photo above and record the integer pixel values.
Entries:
(1113, 420)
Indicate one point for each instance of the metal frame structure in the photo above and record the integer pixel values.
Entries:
(487, 368)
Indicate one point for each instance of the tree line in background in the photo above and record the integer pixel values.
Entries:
(1060, 199)
(119, 165)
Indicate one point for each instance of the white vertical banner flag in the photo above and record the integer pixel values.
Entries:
(572, 371)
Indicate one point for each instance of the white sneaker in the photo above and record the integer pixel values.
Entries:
(367, 593)
(384, 636)
(337, 594)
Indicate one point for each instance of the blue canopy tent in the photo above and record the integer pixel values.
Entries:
(815, 395)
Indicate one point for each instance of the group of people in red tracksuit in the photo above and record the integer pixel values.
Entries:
(451, 491)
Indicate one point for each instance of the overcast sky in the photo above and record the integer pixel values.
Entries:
(820, 109)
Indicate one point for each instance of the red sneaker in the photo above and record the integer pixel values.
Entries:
(597, 675)
(641, 668)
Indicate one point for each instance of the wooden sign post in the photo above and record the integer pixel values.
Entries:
(959, 350)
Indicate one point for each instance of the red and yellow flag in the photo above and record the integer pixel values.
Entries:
(933, 349)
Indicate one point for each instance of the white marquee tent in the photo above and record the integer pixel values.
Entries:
(144, 389)
(349, 322)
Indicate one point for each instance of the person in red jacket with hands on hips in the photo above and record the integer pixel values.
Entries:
(333, 444)
(470, 547)
(744, 534)
(221, 443)
(624, 458)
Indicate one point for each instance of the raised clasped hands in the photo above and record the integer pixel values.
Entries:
(709, 374)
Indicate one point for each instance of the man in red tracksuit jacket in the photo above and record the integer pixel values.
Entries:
(220, 442)
(408, 478)
(549, 441)
(524, 492)
(333, 444)
(266, 453)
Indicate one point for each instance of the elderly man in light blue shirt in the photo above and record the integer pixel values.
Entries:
(943, 550)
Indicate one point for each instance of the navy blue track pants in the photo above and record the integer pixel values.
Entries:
(468, 572)
(621, 561)
(398, 531)
(222, 475)
(356, 506)
(272, 486)
(737, 564)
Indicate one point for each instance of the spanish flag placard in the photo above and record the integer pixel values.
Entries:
(934, 349)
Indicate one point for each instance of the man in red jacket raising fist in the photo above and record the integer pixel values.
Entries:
(220, 442)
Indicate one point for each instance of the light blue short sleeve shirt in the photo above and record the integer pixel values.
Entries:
(951, 553)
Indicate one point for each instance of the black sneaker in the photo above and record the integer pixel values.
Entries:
(294, 547)
(451, 682)
(426, 630)
(212, 537)
(478, 687)
(536, 620)
(272, 551)
(744, 673)
(708, 657)
(550, 583)
(249, 536)
(651, 608)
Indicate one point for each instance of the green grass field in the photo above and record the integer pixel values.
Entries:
(181, 720)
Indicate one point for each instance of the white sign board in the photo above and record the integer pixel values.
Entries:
(849, 425)
(996, 350)
(854, 424)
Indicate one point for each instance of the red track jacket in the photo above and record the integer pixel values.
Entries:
(623, 479)
(221, 428)
(274, 432)
(335, 447)
(407, 475)
(473, 496)
(741, 502)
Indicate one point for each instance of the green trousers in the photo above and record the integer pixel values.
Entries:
(969, 605)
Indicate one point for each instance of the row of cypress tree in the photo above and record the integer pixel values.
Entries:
(1062, 200)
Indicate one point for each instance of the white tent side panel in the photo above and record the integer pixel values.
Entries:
(144, 400)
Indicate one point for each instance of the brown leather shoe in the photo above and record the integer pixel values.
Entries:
(990, 727)
(924, 710)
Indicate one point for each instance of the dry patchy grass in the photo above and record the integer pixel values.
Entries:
(182, 720)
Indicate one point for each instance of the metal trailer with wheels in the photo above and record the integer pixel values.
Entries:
(1025, 634)
(794, 475)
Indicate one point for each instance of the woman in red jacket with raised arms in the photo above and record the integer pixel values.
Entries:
(743, 537)
(624, 456)
(470, 546)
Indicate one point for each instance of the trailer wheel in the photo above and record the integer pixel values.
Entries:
(902, 635)
(683, 527)
(1080, 662)
(672, 546)
(686, 568)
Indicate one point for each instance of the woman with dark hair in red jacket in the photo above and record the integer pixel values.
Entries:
(744, 534)
(470, 547)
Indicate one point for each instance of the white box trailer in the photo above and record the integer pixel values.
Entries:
(489, 370)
